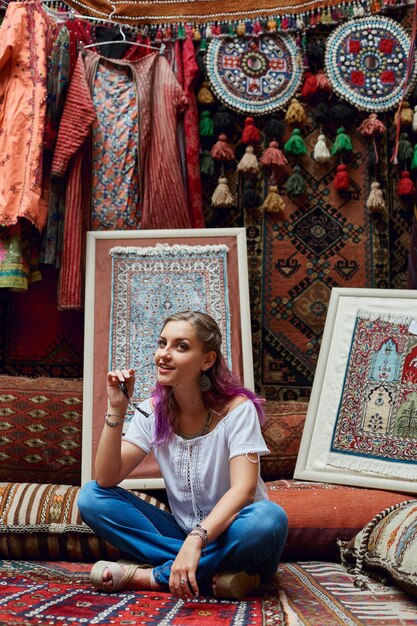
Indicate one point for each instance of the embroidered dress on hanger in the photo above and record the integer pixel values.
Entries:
(163, 199)
(115, 180)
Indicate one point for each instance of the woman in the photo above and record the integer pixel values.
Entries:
(205, 431)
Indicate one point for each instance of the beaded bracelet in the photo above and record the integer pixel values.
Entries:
(107, 415)
(201, 532)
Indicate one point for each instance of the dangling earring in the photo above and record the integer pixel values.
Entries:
(204, 383)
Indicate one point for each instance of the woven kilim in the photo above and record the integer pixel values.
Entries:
(59, 594)
(376, 425)
(323, 594)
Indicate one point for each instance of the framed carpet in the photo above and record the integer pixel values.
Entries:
(134, 280)
(361, 421)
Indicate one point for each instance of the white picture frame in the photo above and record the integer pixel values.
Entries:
(97, 322)
(313, 458)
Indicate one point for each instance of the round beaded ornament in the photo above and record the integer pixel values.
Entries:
(254, 75)
(366, 63)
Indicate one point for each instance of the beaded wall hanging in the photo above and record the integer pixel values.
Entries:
(254, 75)
(366, 63)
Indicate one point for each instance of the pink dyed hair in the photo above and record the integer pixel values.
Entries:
(224, 385)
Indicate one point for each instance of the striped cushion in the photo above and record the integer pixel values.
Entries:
(43, 522)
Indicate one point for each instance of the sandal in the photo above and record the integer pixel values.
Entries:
(236, 585)
(120, 575)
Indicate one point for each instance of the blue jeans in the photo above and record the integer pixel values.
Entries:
(253, 542)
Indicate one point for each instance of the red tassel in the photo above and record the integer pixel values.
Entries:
(222, 150)
(405, 187)
(323, 83)
(309, 87)
(341, 180)
(250, 134)
(273, 156)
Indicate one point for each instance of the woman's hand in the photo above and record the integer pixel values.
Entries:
(117, 401)
(182, 582)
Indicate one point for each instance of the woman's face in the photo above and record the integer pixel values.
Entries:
(180, 356)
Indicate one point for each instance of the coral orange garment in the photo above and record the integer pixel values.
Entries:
(22, 113)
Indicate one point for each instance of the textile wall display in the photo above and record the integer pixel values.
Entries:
(360, 426)
(296, 258)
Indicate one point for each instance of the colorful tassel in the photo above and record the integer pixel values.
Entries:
(405, 151)
(273, 130)
(295, 144)
(414, 159)
(309, 88)
(342, 113)
(273, 157)
(273, 202)
(414, 124)
(222, 149)
(249, 164)
(222, 196)
(207, 165)
(405, 187)
(296, 185)
(324, 87)
(371, 126)
(204, 95)
(251, 199)
(321, 152)
(223, 121)
(372, 160)
(341, 180)
(342, 142)
(206, 124)
(321, 114)
(375, 202)
(250, 134)
(295, 113)
(404, 115)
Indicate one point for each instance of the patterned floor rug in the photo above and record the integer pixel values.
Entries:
(59, 594)
(308, 594)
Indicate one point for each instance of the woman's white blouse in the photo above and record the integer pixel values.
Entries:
(197, 471)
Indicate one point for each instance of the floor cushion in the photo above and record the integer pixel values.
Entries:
(43, 522)
(320, 514)
(388, 544)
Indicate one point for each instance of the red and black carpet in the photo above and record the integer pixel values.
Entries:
(308, 594)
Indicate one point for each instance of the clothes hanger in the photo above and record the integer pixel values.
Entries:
(124, 40)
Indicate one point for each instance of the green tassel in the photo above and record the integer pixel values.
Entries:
(203, 45)
(207, 165)
(295, 144)
(206, 125)
(342, 142)
(405, 150)
(296, 185)
(414, 161)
